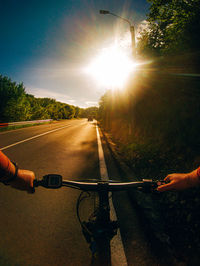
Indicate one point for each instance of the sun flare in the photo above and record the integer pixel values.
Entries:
(111, 67)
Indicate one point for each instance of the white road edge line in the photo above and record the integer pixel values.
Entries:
(118, 257)
(34, 137)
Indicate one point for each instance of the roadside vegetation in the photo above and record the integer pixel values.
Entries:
(90, 112)
(155, 120)
(17, 105)
(172, 28)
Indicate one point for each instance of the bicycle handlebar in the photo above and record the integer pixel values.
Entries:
(55, 181)
(106, 185)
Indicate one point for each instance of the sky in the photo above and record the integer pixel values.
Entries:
(47, 44)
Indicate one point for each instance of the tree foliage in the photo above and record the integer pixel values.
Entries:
(174, 26)
(17, 105)
(90, 111)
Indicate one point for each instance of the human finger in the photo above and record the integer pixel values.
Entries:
(168, 178)
(166, 187)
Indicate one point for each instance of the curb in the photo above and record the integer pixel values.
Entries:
(125, 171)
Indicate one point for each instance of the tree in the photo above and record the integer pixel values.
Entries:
(77, 111)
(37, 111)
(70, 111)
(150, 41)
(174, 26)
(10, 93)
(16, 105)
(90, 111)
(17, 109)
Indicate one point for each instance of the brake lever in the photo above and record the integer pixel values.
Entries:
(150, 185)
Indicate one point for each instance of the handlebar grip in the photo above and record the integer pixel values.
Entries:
(49, 181)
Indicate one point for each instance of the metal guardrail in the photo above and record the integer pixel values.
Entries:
(3, 125)
(24, 123)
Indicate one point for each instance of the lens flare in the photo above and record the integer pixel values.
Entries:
(111, 67)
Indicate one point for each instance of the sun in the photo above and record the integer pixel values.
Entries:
(111, 67)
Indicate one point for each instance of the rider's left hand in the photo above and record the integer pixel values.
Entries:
(24, 181)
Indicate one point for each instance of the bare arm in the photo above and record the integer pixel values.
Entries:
(17, 178)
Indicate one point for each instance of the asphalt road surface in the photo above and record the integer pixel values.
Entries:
(42, 228)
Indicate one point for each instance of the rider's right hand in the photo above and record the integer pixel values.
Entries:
(179, 181)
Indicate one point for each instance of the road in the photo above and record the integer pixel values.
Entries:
(42, 229)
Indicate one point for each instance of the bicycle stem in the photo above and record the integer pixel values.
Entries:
(104, 209)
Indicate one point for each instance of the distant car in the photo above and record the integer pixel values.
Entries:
(90, 118)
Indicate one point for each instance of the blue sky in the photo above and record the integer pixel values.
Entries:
(46, 43)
